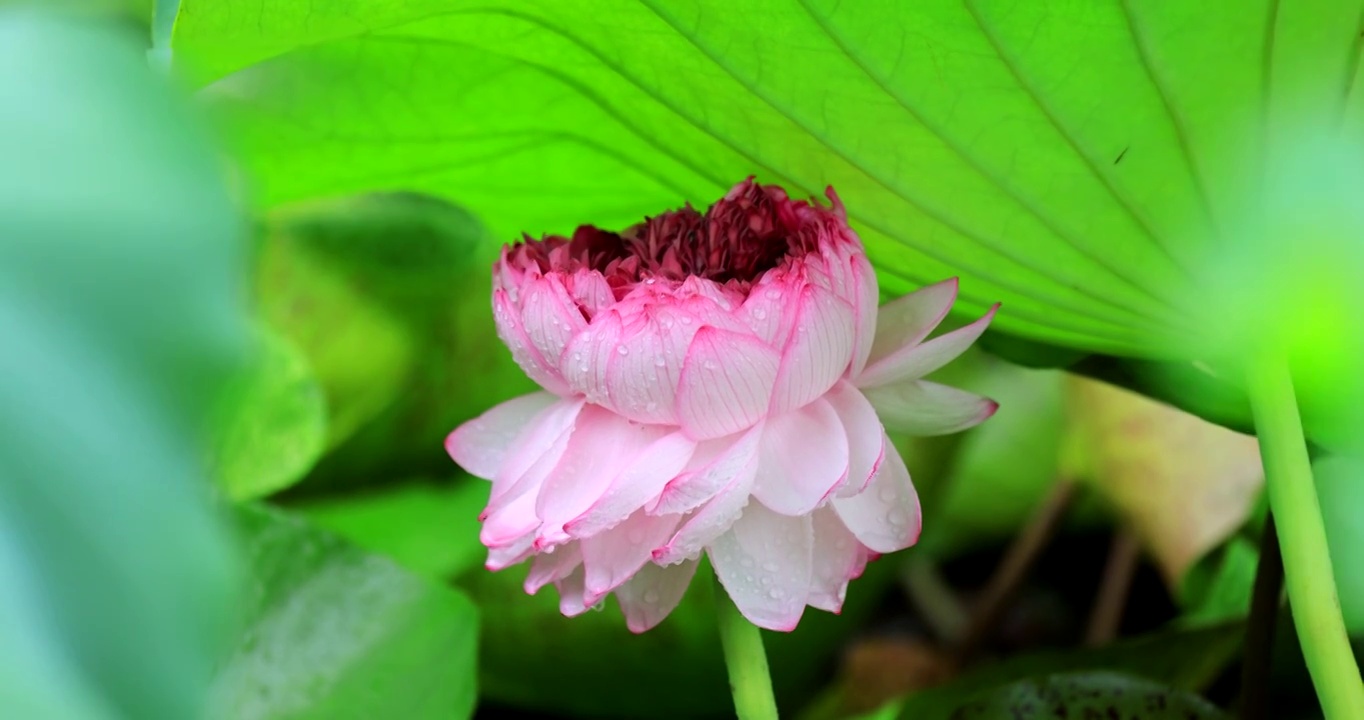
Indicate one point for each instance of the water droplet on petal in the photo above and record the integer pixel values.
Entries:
(651, 597)
(887, 494)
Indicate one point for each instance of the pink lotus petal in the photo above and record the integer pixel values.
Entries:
(480, 446)
(866, 437)
(640, 482)
(602, 446)
(836, 557)
(510, 523)
(903, 323)
(711, 520)
(886, 516)
(513, 334)
(551, 318)
(611, 557)
(642, 374)
(712, 468)
(764, 563)
(802, 459)
(572, 590)
(924, 408)
(920, 360)
(585, 360)
(552, 567)
(653, 593)
(770, 310)
(726, 383)
(501, 557)
(590, 291)
(868, 296)
(534, 454)
(818, 353)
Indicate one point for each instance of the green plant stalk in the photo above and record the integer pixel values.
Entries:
(749, 679)
(1302, 540)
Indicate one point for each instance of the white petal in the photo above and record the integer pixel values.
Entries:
(639, 483)
(480, 445)
(711, 520)
(602, 446)
(504, 556)
(611, 557)
(919, 360)
(866, 436)
(534, 454)
(903, 322)
(712, 468)
(920, 407)
(819, 351)
(726, 383)
(802, 458)
(572, 591)
(836, 558)
(553, 566)
(763, 562)
(885, 517)
(653, 593)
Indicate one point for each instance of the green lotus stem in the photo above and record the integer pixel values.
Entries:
(749, 680)
(1302, 540)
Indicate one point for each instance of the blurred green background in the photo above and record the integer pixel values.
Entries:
(244, 252)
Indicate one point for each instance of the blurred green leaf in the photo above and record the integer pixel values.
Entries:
(388, 297)
(1340, 488)
(1087, 694)
(276, 424)
(332, 631)
(1218, 587)
(1184, 659)
(429, 528)
(120, 315)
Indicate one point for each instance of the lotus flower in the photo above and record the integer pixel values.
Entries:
(713, 382)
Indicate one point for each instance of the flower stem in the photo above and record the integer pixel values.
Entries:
(745, 660)
(1302, 540)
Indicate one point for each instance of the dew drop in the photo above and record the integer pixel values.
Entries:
(651, 596)
(623, 350)
(660, 362)
(770, 566)
(887, 494)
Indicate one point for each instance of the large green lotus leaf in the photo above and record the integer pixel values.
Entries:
(1072, 159)
(120, 317)
(332, 631)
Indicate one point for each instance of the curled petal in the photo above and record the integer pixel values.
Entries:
(924, 408)
(920, 360)
(836, 558)
(866, 436)
(714, 466)
(764, 563)
(886, 516)
(639, 483)
(726, 383)
(590, 291)
(553, 567)
(602, 446)
(612, 556)
(480, 446)
(902, 323)
(802, 459)
(502, 557)
(534, 453)
(512, 331)
(510, 523)
(573, 593)
(551, 318)
(819, 351)
(711, 520)
(653, 593)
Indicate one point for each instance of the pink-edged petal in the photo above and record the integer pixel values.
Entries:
(653, 593)
(713, 467)
(553, 566)
(611, 557)
(481, 445)
(802, 458)
(602, 446)
(819, 351)
(512, 331)
(591, 293)
(770, 309)
(643, 373)
(764, 563)
(726, 383)
(710, 521)
(836, 558)
(584, 362)
(885, 517)
(866, 436)
(510, 523)
(920, 407)
(920, 360)
(868, 295)
(502, 557)
(572, 591)
(903, 322)
(534, 453)
(550, 316)
(639, 483)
